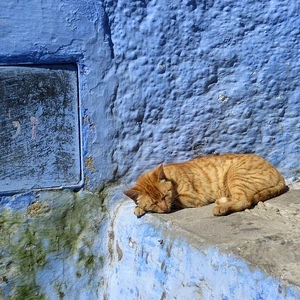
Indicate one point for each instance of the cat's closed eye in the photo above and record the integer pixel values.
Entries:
(150, 207)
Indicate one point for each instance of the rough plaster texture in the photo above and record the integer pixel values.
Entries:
(68, 31)
(83, 246)
(160, 81)
(190, 254)
(204, 77)
(52, 246)
(166, 81)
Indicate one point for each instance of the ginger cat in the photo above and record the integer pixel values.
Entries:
(233, 181)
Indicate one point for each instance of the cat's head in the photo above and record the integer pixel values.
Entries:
(152, 192)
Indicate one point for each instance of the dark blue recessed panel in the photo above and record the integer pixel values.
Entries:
(39, 128)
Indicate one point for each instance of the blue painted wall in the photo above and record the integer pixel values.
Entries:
(68, 31)
(205, 77)
(166, 81)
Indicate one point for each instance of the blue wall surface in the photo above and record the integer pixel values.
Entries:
(160, 81)
(205, 77)
(167, 81)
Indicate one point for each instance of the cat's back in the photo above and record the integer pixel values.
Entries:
(249, 165)
(219, 168)
(221, 162)
(228, 159)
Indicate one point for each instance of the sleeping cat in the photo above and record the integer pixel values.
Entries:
(233, 181)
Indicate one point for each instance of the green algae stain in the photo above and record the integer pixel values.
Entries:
(60, 223)
(90, 262)
(28, 293)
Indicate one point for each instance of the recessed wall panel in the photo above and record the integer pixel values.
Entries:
(39, 127)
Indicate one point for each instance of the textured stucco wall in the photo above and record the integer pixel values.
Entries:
(160, 81)
(80, 246)
(166, 81)
(53, 246)
(205, 77)
(69, 31)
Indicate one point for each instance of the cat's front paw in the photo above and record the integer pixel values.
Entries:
(220, 210)
(139, 212)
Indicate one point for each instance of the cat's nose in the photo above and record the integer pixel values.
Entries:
(163, 206)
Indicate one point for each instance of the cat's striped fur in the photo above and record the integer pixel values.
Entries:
(233, 181)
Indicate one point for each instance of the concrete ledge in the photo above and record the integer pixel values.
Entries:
(267, 236)
(192, 254)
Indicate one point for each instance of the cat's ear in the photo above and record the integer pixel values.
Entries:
(161, 174)
(133, 194)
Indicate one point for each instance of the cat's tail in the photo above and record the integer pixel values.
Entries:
(270, 192)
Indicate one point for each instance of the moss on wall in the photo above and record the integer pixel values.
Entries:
(61, 223)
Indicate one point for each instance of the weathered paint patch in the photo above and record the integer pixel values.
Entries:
(40, 127)
(55, 232)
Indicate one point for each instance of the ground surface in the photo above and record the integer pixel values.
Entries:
(267, 236)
